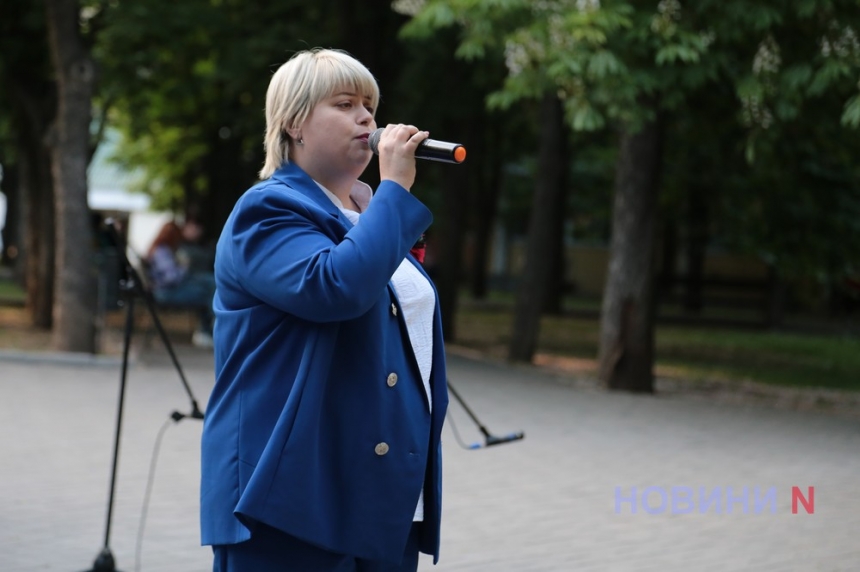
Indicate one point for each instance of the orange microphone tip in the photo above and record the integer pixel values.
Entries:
(460, 154)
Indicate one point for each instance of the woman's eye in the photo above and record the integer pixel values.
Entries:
(345, 104)
(368, 108)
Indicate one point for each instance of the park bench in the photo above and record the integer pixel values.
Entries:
(179, 319)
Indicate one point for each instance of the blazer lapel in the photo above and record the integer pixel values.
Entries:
(295, 178)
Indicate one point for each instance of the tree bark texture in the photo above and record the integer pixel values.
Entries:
(75, 300)
(532, 285)
(37, 194)
(626, 354)
(35, 105)
(450, 243)
(553, 302)
(486, 210)
(31, 91)
(448, 232)
(697, 244)
(668, 273)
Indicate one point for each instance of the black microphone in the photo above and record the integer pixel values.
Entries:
(428, 149)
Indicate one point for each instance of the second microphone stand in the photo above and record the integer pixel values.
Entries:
(132, 287)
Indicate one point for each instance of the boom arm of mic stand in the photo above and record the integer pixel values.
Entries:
(136, 286)
(489, 438)
(474, 418)
(150, 305)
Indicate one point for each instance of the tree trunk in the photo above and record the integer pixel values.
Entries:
(776, 294)
(450, 242)
(486, 209)
(34, 104)
(447, 235)
(228, 178)
(37, 194)
(532, 286)
(75, 300)
(668, 258)
(31, 90)
(553, 303)
(697, 244)
(626, 355)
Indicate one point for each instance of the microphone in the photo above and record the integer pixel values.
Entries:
(428, 149)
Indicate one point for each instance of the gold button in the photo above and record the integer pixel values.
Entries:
(393, 308)
(381, 449)
(392, 379)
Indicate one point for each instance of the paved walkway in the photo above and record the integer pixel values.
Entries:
(548, 503)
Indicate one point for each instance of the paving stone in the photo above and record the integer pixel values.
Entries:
(544, 504)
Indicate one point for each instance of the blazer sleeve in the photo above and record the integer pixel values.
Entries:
(286, 251)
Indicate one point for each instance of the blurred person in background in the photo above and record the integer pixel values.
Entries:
(175, 278)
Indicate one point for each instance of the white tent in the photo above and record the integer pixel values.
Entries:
(111, 192)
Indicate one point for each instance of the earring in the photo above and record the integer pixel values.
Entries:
(300, 141)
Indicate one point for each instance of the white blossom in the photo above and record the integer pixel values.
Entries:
(767, 58)
(840, 42)
(407, 7)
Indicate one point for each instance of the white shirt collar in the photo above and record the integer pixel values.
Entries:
(361, 193)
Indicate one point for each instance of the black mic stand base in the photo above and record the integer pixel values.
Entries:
(104, 562)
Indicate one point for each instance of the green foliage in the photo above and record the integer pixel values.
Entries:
(607, 58)
(592, 53)
(829, 73)
(188, 80)
(25, 71)
(758, 96)
(769, 151)
(851, 115)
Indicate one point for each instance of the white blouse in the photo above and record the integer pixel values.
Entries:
(417, 302)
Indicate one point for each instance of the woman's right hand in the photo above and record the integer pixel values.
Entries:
(397, 153)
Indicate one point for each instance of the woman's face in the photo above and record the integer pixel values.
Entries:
(335, 137)
(192, 231)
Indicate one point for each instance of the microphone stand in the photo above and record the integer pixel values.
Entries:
(132, 287)
(489, 438)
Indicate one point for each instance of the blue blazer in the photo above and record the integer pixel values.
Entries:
(304, 429)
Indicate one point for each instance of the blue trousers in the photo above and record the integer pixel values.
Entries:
(270, 550)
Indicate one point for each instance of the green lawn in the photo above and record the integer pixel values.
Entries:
(789, 359)
(11, 292)
(771, 357)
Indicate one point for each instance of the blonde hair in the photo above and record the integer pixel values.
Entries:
(298, 86)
